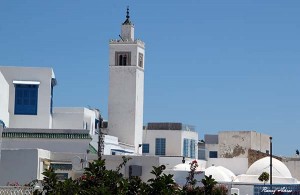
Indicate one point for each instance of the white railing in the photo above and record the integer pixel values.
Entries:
(16, 190)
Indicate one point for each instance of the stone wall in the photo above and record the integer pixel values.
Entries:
(254, 155)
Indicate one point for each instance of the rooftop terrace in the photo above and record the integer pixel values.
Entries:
(169, 126)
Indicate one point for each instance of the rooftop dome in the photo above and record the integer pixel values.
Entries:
(184, 167)
(263, 165)
(220, 174)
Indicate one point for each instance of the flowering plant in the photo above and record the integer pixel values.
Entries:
(14, 183)
(190, 180)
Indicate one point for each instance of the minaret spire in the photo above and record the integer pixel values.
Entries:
(127, 16)
(127, 21)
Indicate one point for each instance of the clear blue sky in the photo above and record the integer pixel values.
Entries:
(215, 64)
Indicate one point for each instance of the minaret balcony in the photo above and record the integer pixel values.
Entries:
(119, 41)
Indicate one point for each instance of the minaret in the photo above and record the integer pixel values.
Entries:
(126, 87)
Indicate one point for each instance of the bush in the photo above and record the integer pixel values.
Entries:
(96, 179)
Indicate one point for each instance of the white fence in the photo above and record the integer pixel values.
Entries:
(16, 190)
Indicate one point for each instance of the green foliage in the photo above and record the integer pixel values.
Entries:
(54, 187)
(264, 177)
(220, 190)
(96, 179)
(209, 183)
(162, 183)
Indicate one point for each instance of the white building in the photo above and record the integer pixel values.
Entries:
(27, 95)
(126, 87)
(232, 148)
(55, 140)
(28, 98)
(76, 118)
(230, 144)
(170, 139)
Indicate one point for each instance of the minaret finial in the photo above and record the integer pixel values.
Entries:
(127, 21)
(127, 16)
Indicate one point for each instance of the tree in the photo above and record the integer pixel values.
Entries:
(162, 183)
(264, 177)
(96, 179)
(209, 183)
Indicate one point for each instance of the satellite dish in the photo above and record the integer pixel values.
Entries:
(76, 163)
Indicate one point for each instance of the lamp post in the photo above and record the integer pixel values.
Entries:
(271, 162)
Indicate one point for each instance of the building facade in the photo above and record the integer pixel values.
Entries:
(170, 139)
(27, 95)
(233, 144)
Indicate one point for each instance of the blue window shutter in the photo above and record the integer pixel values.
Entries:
(26, 99)
(213, 154)
(185, 147)
(192, 148)
(145, 148)
(160, 146)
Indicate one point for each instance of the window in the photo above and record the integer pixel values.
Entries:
(96, 123)
(123, 58)
(185, 147)
(141, 60)
(160, 146)
(26, 99)
(192, 148)
(145, 148)
(189, 148)
(213, 154)
(201, 154)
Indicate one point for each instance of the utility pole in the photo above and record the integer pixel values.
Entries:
(100, 138)
(271, 162)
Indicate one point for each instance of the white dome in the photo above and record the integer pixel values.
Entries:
(181, 167)
(220, 174)
(184, 167)
(263, 165)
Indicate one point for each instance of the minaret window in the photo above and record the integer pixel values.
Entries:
(141, 60)
(122, 58)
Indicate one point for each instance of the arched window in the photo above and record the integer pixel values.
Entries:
(122, 58)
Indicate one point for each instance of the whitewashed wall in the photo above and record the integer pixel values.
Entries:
(293, 164)
(4, 100)
(75, 118)
(126, 95)
(21, 166)
(54, 145)
(236, 165)
(43, 119)
(174, 140)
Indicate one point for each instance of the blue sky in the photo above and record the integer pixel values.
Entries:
(218, 65)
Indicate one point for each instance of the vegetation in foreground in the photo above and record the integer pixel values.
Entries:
(96, 179)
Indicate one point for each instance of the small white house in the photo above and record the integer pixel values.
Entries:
(170, 139)
(27, 95)
(28, 98)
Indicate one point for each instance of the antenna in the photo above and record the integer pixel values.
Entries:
(121, 38)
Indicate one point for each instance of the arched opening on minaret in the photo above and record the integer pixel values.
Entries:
(122, 58)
